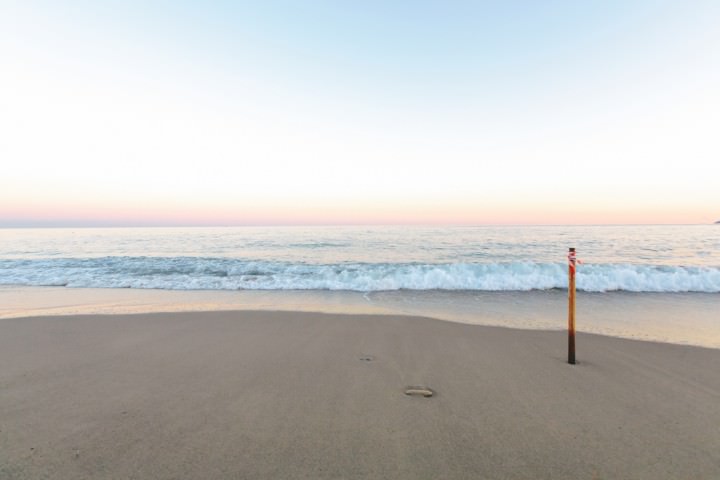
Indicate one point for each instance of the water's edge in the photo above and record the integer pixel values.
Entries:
(682, 318)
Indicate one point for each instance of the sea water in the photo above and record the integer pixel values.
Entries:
(621, 258)
(651, 282)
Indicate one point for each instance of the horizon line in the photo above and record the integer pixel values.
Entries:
(411, 224)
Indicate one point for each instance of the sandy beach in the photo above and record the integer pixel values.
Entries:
(305, 395)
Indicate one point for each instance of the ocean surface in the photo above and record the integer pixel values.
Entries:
(365, 259)
(658, 283)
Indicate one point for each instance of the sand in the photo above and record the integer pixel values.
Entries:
(284, 395)
(688, 318)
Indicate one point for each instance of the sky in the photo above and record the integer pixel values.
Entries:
(374, 112)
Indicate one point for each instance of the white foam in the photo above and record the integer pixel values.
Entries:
(193, 273)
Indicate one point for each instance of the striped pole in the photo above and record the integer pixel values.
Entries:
(571, 306)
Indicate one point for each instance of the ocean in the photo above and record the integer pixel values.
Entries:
(659, 283)
(367, 259)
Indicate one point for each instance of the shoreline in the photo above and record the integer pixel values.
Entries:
(306, 395)
(677, 318)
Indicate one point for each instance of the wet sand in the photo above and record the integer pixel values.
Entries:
(305, 395)
(683, 318)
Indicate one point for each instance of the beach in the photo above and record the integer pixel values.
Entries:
(359, 240)
(248, 394)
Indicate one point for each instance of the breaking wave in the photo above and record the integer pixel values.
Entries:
(194, 273)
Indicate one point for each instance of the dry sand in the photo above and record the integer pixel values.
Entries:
(314, 396)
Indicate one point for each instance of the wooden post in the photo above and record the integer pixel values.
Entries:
(571, 306)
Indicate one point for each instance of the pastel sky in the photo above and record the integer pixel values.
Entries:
(347, 112)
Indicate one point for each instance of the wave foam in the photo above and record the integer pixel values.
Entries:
(192, 273)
